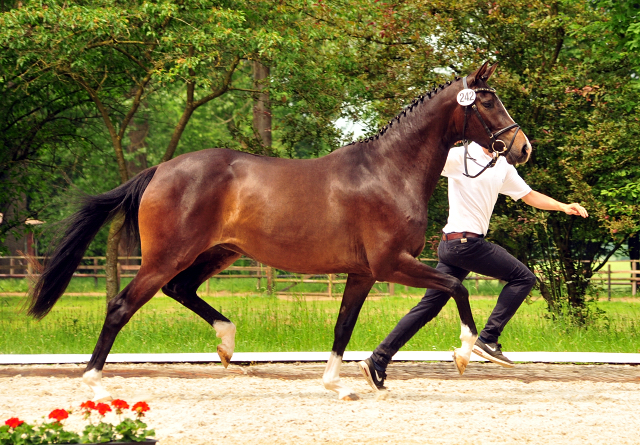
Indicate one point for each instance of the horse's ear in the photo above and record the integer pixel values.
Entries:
(480, 72)
(489, 71)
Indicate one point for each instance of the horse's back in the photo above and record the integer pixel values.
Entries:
(312, 215)
(264, 207)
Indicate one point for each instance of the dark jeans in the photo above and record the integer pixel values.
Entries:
(458, 259)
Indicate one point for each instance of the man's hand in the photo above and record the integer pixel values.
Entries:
(574, 209)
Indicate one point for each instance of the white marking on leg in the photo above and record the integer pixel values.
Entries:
(331, 378)
(226, 331)
(462, 355)
(93, 379)
(468, 340)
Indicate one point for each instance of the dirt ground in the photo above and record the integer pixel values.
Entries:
(286, 403)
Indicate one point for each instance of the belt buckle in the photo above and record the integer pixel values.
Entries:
(463, 240)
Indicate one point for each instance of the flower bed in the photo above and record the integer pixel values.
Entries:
(97, 431)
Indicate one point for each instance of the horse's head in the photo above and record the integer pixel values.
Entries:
(486, 121)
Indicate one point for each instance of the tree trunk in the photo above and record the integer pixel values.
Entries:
(138, 138)
(634, 246)
(545, 291)
(111, 268)
(118, 245)
(262, 108)
(634, 254)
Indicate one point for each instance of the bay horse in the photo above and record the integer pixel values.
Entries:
(361, 210)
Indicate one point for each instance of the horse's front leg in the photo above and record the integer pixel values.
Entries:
(355, 292)
(411, 272)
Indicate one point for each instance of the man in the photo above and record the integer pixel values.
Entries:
(463, 249)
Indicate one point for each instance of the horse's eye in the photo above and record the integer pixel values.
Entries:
(487, 104)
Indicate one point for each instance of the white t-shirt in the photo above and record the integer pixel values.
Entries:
(471, 201)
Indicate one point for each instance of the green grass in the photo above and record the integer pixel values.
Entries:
(244, 286)
(269, 324)
(77, 285)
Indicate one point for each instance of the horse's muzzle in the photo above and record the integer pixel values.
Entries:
(519, 153)
(525, 153)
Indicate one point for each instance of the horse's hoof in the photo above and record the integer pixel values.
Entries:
(225, 357)
(351, 397)
(104, 399)
(461, 362)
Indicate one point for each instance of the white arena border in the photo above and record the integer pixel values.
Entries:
(262, 357)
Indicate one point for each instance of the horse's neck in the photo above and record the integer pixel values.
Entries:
(417, 145)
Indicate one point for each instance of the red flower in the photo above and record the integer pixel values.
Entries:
(58, 414)
(86, 408)
(140, 408)
(103, 408)
(88, 405)
(119, 405)
(14, 422)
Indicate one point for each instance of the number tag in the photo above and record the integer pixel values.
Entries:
(466, 97)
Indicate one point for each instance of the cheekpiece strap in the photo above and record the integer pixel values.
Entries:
(492, 136)
(465, 141)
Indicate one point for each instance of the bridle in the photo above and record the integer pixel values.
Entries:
(503, 151)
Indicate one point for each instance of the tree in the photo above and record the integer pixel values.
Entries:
(622, 23)
(39, 145)
(119, 54)
(573, 99)
(568, 73)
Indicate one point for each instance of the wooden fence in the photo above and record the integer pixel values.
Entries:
(282, 283)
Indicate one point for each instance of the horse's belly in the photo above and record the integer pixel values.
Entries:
(304, 256)
(299, 229)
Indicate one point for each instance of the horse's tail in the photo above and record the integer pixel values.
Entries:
(81, 228)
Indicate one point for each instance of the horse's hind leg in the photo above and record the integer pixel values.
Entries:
(411, 272)
(119, 311)
(183, 287)
(355, 292)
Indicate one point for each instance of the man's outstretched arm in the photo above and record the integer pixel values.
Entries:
(544, 202)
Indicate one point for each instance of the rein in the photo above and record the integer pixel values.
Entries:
(504, 151)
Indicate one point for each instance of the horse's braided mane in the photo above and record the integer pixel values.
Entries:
(409, 108)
